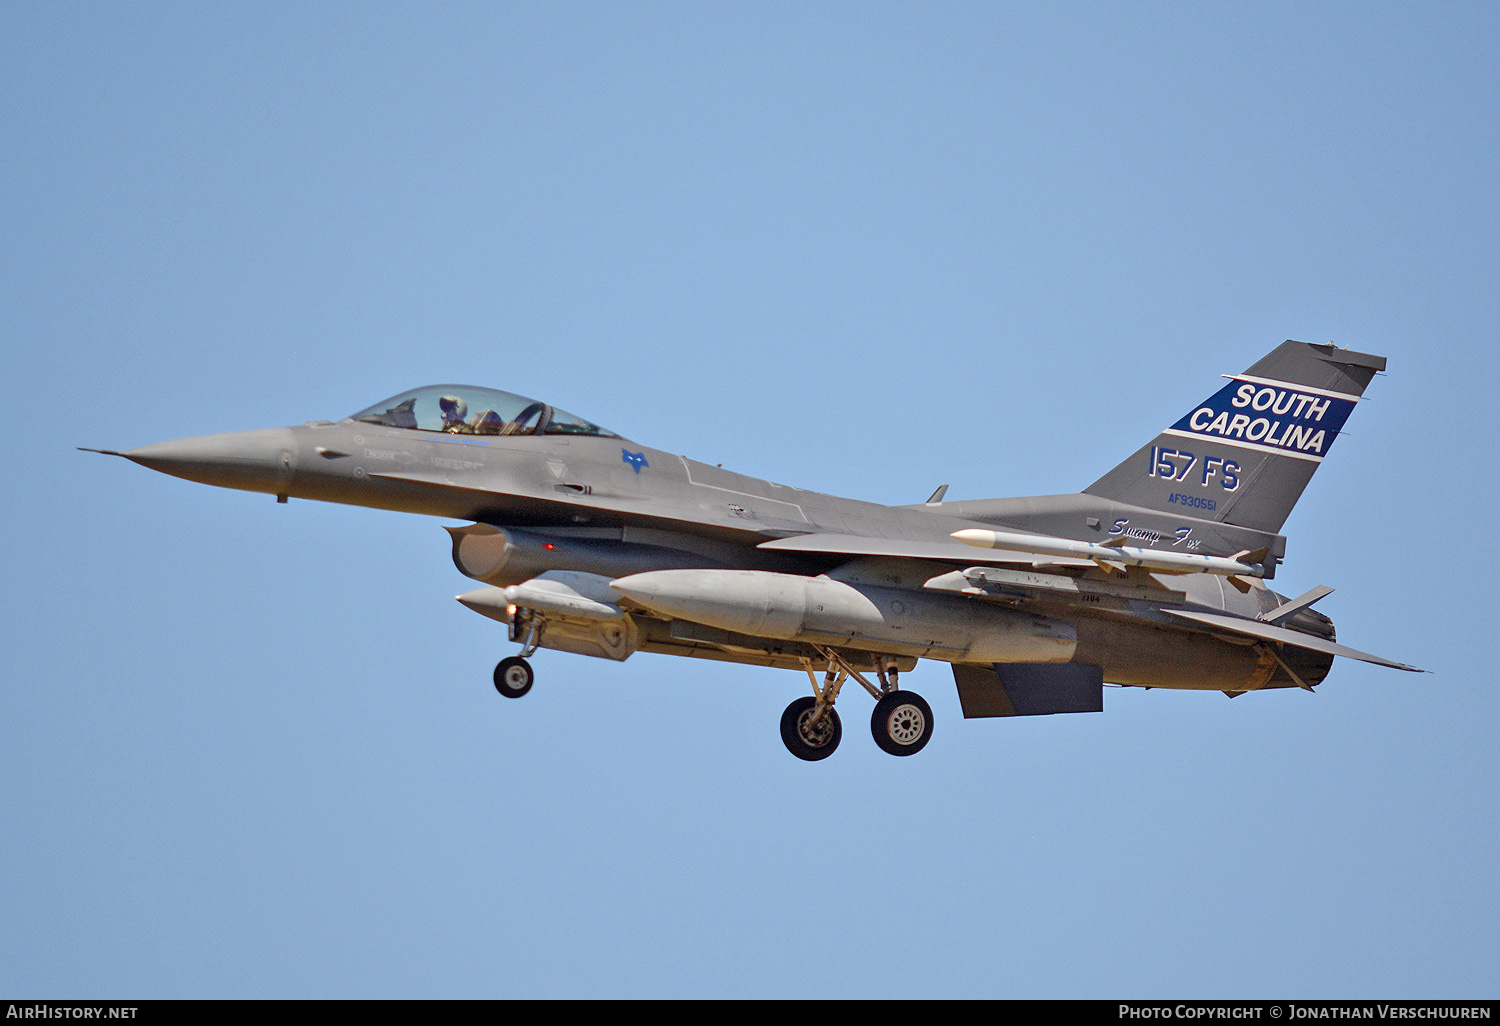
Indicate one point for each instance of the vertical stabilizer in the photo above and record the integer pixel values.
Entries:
(1244, 454)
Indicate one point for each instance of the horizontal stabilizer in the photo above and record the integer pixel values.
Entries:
(1271, 632)
(1028, 689)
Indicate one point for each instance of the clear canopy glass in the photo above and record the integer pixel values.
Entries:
(471, 410)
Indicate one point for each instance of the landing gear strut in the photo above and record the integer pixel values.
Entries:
(806, 734)
(810, 728)
(513, 675)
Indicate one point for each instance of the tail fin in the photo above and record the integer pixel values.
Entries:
(1243, 455)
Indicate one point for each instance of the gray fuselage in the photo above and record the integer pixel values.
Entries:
(604, 505)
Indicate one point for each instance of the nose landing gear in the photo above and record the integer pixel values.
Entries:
(513, 675)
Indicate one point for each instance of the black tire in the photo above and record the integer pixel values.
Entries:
(796, 738)
(902, 723)
(513, 677)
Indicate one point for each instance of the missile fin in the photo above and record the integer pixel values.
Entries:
(1290, 608)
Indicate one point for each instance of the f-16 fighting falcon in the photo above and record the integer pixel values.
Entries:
(586, 542)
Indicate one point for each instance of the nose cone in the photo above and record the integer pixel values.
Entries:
(259, 461)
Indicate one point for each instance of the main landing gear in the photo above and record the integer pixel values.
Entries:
(901, 723)
(810, 732)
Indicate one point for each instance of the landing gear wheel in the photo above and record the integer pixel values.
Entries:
(806, 740)
(513, 677)
(902, 723)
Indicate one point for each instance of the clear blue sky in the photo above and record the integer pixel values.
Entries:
(253, 750)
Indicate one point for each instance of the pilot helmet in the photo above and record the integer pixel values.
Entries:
(453, 408)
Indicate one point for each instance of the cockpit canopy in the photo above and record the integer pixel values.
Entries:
(470, 410)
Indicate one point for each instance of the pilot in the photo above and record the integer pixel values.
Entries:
(454, 410)
(488, 423)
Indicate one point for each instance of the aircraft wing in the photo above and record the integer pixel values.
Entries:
(901, 548)
(1270, 632)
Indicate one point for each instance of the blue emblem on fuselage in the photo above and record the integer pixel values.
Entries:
(635, 459)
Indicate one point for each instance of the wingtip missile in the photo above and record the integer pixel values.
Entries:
(1116, 553)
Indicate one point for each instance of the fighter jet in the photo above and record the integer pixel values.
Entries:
(586, 542)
